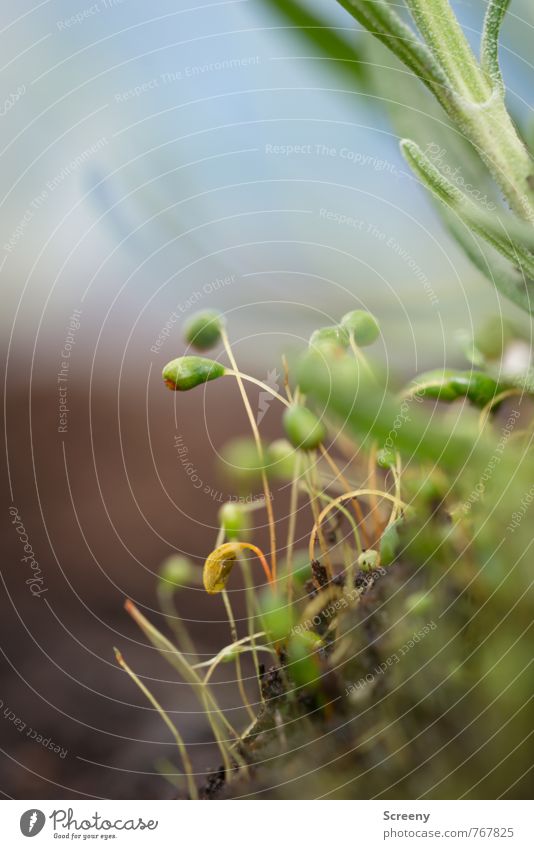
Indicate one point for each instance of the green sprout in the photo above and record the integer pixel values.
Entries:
(329, 338)
(449, 385)
(303, 429)
(235, 520)
(361, 326)
(401, 514)
(203, 330)
(186, 373)
(175, 572)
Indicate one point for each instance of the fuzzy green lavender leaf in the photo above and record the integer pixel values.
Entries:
(382, 21)
(489, 54)
(444, 36)
(505, 234)
(514, 285)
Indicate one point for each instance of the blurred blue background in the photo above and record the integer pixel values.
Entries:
(151, 149)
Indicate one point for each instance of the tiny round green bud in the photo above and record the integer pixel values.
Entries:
(282, 457)
(276, 615)
(363, 327)
(303, 429)
(235, 520)
(187, 372)
(203, 329)
(368, 560)
(336, 336)
(176, 571)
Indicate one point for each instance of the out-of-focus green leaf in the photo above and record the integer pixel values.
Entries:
(323, 36)
(507, 235)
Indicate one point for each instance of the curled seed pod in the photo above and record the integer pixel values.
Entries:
(203, 329)
(175, 572)
(327, 337)
(363, 327)
(449, 385)
(368, 560)
(187, 372)
(234, 520)
(219, 564)
(303, 429)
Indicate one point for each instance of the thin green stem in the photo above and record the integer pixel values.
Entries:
(233, 632)
(193, 792)
(233, 373)
(291, 527)
(175, 623)
(175, 657)
(259, 448)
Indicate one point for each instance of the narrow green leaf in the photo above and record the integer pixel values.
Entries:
(370, 412)
(507, 279)
(384, 23)
(322, 35)
(498, 231)
(444, 36)
(489, 53)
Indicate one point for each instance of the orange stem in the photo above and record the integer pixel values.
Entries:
(261, 557)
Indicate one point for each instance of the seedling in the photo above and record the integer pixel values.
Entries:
(401, 521)
(360, 497)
